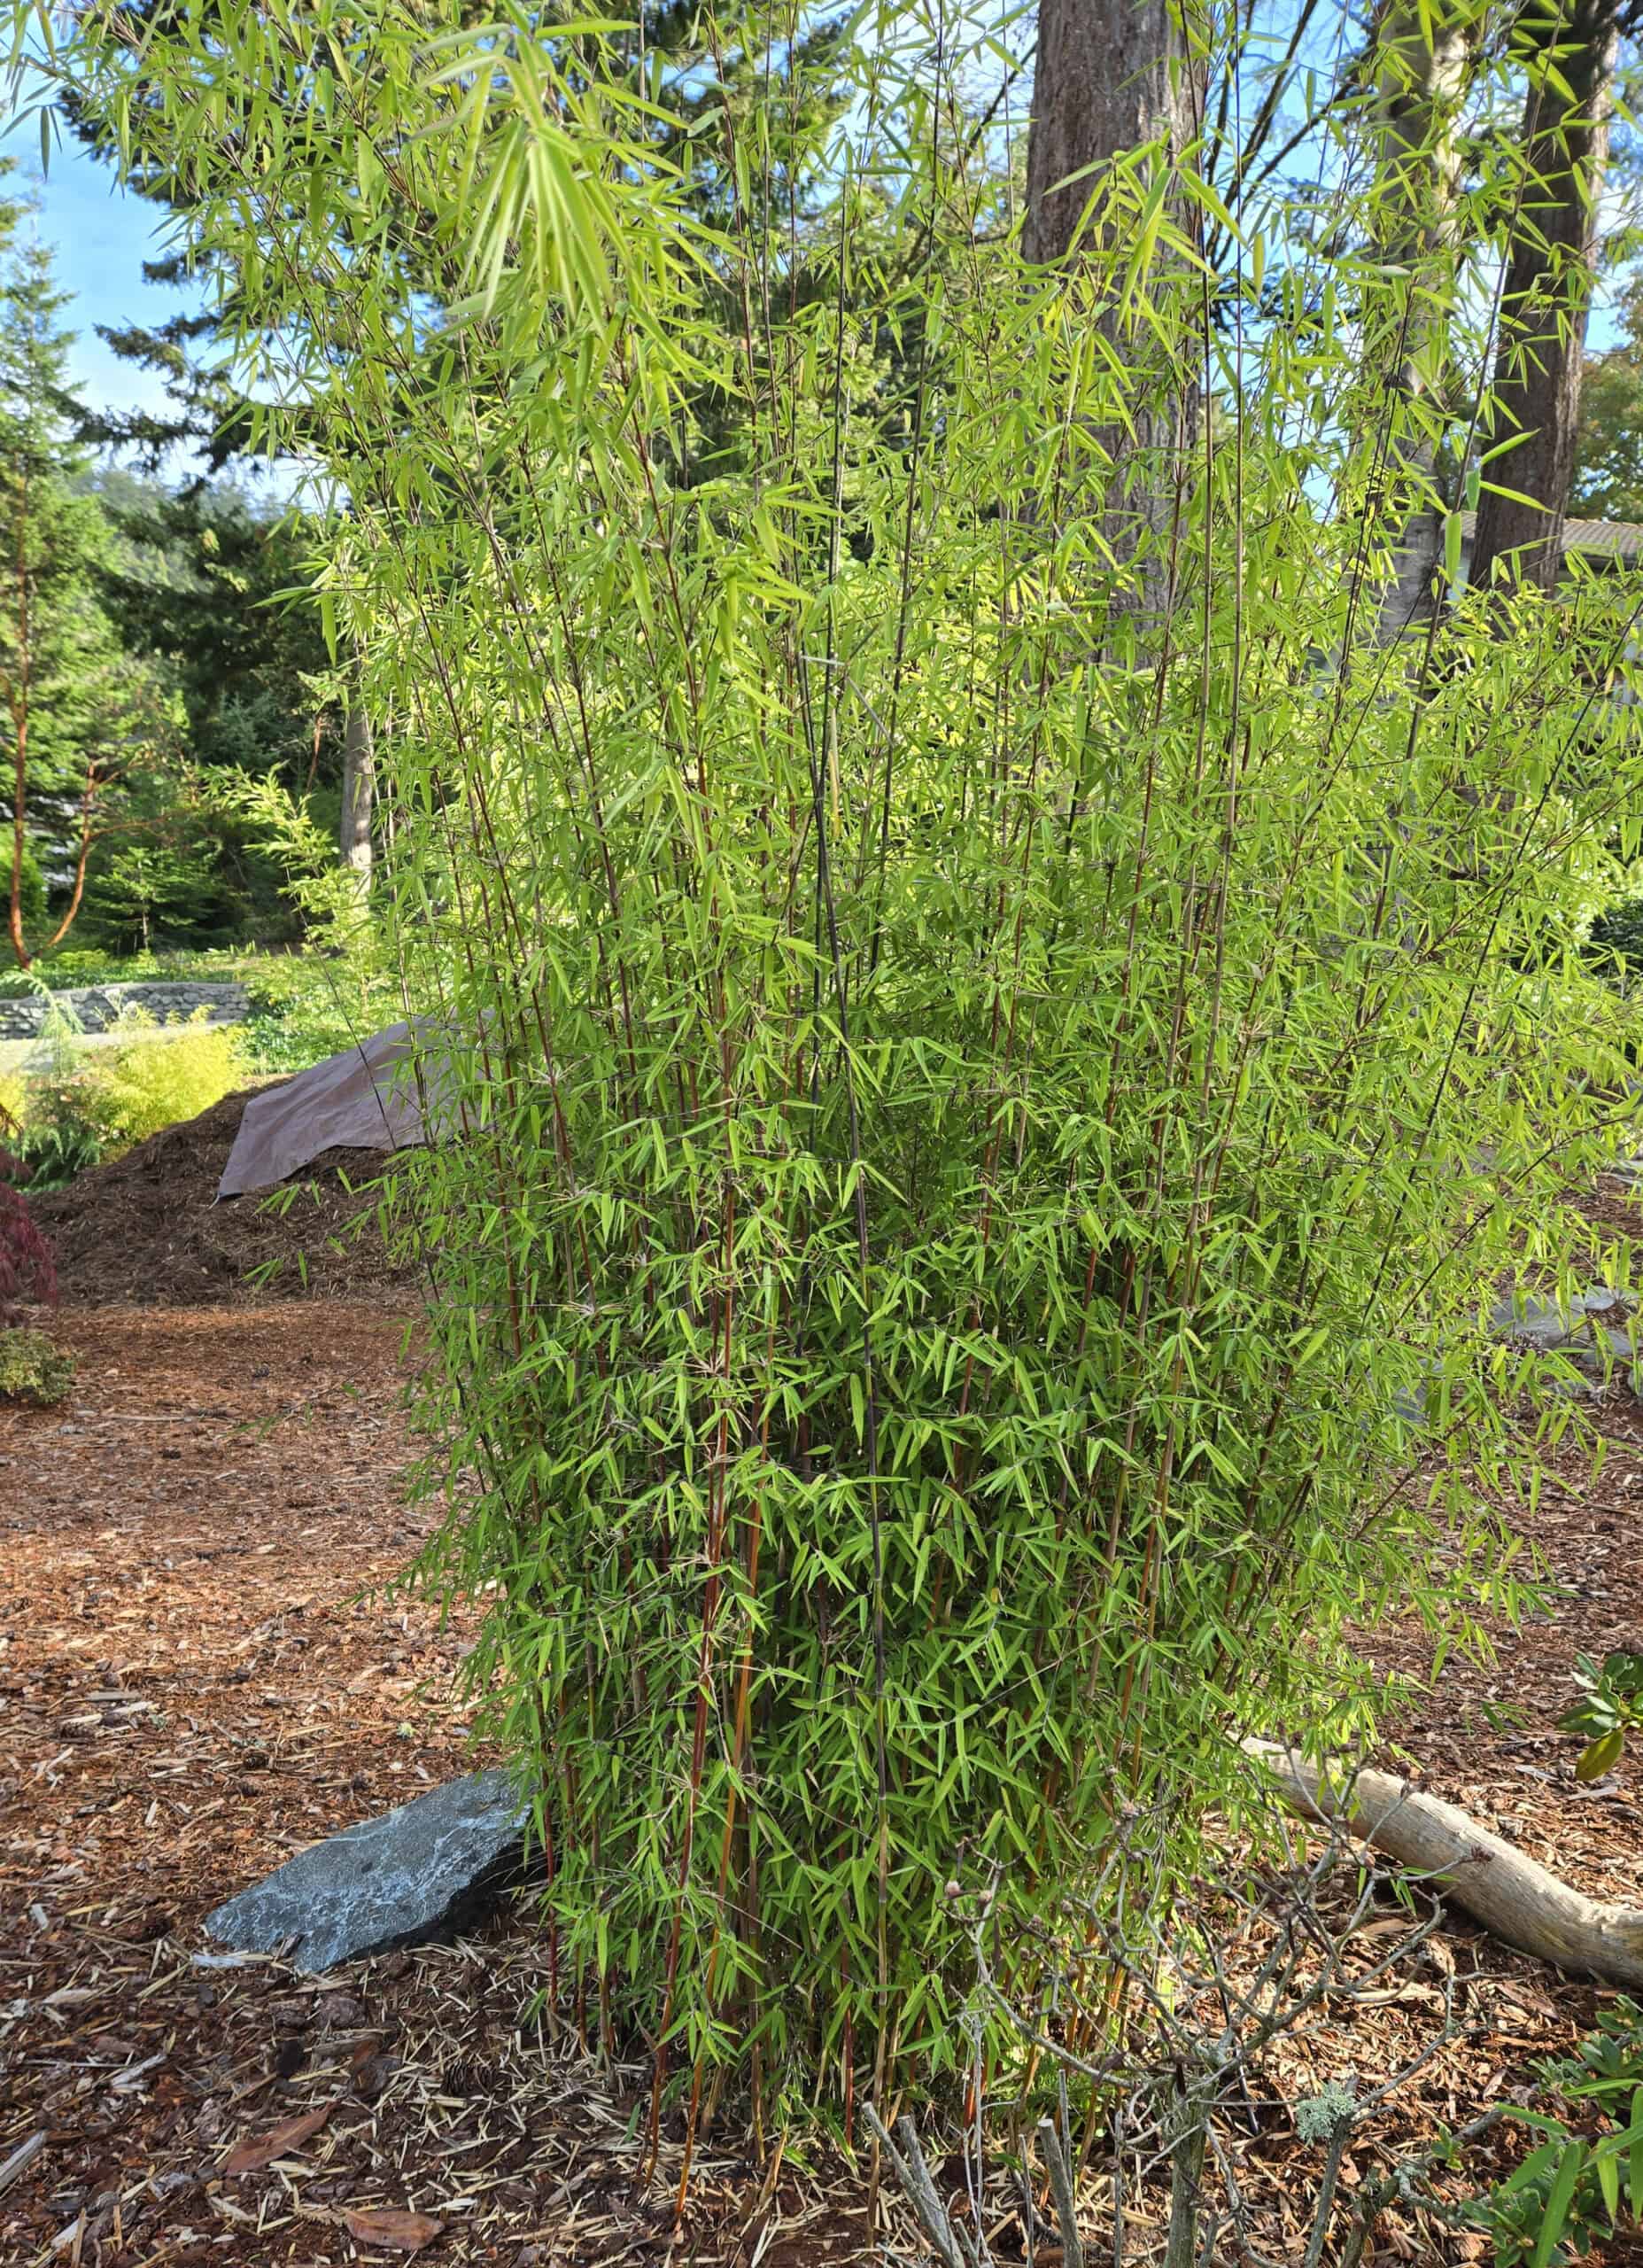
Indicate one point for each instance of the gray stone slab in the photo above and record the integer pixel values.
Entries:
(1409, 1403)
(1597, 1332)
(414, 1875)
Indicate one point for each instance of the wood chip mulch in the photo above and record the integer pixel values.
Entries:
(200, 1672)
(196, 1679)
(145, 1229)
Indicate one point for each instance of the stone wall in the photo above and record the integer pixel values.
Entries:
(97, 1006)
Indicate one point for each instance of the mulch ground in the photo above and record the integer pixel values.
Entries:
(201, 1671)
(145, 1229)
(203, 1668)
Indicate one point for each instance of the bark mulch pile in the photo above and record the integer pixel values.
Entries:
(145, 1229)
(202, 1670)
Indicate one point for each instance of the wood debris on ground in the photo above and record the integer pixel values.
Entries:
(197, 1678)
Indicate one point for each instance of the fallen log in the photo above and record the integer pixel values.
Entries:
(1515, 1897)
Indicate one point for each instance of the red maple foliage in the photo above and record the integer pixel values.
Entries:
(26, 1274)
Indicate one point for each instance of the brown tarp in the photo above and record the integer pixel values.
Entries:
(366, 1098)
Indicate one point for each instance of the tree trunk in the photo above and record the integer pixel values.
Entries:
(19, 843)
(1547, 291)
(17, 692)
(359, 787)
(1110, 76)
(1423, 60)
(1515, 1897)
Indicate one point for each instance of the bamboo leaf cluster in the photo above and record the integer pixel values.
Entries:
(1001, 1045)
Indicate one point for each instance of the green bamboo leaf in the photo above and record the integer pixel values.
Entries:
(1512, 495)
(1601, 1755)
(1559, 2199)
(1606, 2163)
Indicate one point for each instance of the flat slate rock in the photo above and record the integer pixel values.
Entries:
(1599, 1331)
(414, 1875)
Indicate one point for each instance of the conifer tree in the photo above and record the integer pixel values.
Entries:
(79, 713)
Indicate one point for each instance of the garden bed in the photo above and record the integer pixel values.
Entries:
(200, 1671)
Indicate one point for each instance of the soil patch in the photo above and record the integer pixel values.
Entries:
(145, 1229)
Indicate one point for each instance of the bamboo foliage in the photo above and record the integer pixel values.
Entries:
(978, 1128)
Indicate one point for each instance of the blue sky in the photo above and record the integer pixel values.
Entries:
(101, 236)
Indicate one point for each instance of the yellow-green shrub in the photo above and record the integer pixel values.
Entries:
(93, 1103)
(154, 1078)
(33, 1369)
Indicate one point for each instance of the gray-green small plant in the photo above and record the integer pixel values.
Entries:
(1318, 2116)
(1576, 2190)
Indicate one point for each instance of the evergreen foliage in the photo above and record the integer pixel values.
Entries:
(153, 639)
(218, 588)
(82, 716)
(33, 1369)
(27, 1272)
(153, 1078)
(1608, 465)
(91, 1104)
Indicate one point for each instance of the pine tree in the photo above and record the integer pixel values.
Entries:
(80, 713)
(202, 577)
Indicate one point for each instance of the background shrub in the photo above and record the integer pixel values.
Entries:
(62, 1129)
(305, 1007)
(96, 1102)
(33, 886)
(152, 1078)
(1614, 945)
(28, 1275)
(72, 966)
